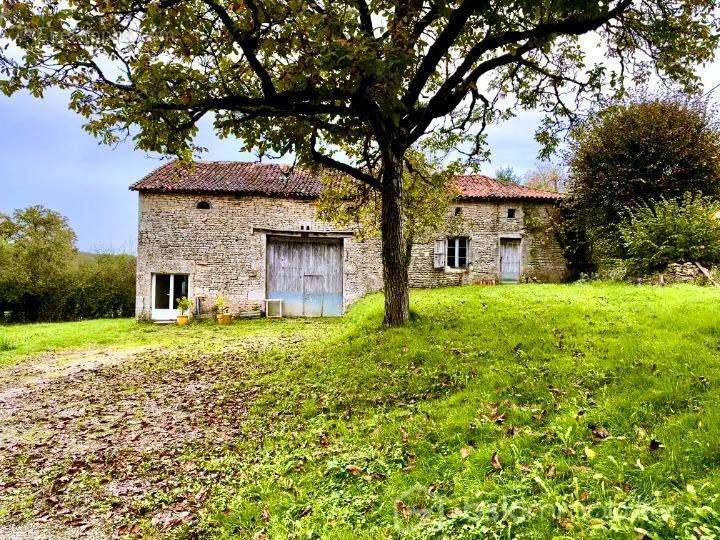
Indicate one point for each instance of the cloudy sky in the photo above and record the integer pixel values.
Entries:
(47, 158)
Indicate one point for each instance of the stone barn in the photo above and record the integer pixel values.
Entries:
(250, 232)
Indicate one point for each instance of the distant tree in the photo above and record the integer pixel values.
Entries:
(630, 155)
(38, 246)
(44, 277)
(507, 175)
(546, 176)
(346, 84)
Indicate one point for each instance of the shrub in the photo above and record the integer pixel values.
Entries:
(671, 230)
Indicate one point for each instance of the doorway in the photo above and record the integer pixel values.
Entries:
(509, 260)
(307, 275)
(167, 290)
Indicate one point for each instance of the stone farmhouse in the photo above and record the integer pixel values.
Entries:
(250, 232)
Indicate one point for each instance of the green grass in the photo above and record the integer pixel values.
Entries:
(365, 432)
(18, 341)
(390, 433)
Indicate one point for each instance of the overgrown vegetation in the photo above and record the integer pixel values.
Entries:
(43, 277)
(533, 411)
(674, 230)
(630, 155)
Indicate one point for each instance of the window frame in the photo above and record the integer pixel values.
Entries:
(456, 242)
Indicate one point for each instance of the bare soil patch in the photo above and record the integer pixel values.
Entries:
(98, 443)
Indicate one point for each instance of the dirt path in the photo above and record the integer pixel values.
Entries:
(19, 379)
(98, 442)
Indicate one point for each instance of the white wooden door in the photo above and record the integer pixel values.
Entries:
(167, 290)
(509, 260)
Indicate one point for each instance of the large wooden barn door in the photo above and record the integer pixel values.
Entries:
(306, 275)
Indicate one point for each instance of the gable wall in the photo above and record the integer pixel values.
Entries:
(223, 255)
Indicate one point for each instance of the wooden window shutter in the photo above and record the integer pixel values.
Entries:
(439, 254)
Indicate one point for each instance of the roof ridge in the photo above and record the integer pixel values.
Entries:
(291, 180)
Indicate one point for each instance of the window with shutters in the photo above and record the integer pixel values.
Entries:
(457, 252)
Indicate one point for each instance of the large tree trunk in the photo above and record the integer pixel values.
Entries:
(395, 268)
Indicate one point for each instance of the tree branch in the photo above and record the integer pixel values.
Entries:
(247, 43)
(455, 88)
(446, 38)
(365, 20)
(327, 161)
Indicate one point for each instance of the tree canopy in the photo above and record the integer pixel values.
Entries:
(350, 84)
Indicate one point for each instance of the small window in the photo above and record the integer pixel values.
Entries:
(203, 205)
(458, 211)
(511, 213)
(457, 252)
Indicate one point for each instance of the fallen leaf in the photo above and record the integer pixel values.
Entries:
(201, 495)
(266, 514)
(353, 469)
(495, 462)
(404, 510)
(550, 473)
(590, 453)
(500, 418)
(600, 433)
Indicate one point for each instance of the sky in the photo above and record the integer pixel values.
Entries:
(47, 159)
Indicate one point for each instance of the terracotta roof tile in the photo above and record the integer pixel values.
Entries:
(478, 186)
(285, 181)
(231, 177)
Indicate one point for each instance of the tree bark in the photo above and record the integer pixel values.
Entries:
(395, 269)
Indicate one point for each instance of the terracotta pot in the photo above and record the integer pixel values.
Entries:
(224, 318)
(182, 320)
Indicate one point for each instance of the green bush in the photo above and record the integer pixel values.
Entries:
(672, 230)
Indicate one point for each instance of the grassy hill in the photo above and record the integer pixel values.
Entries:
(500, 412)
(532, 411)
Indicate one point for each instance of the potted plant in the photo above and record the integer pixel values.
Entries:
(183, 305)
(221, 307)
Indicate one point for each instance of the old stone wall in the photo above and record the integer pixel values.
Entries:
(222, 248)
(485, 224)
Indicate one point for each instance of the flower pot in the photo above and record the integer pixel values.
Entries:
(224, 318)
(182, 320)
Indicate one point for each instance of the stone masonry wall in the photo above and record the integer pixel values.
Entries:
(223, 252)
(485, 224)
